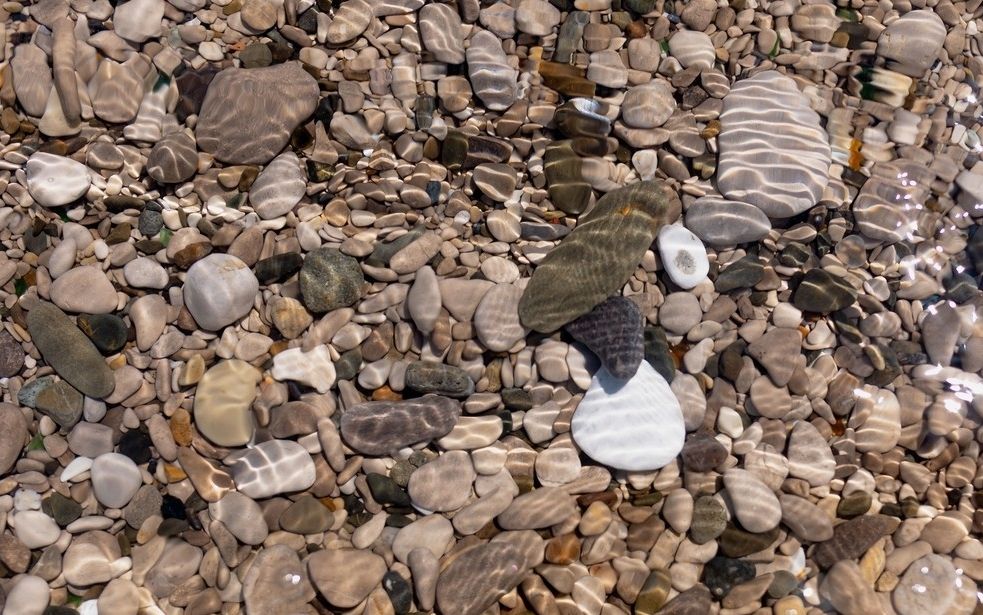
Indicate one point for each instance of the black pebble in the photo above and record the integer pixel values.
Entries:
(136, 445)
(400, 594)
(172, 508)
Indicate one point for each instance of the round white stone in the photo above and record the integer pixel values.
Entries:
(629, 425)
(115, 479)
(56, 180)
(219, 290)
(35, 529)
(684, 256)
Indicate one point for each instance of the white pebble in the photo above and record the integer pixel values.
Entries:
(684, 256)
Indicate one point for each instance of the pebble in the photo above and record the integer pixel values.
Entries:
(852, 538)
(845, 589)
(536, 17)
(381, 427)
(330, 572)
(34, 529)
(822, 292)
(144, 272)
(930, 583)
(692, 49)
(352, 18)
(788, 174)
(429, 377)
(271, 468)
(809, 456)
(492, 77)
(619, 229)
(755, 505)
(912, 42)
(84, 289)
(721, 222)
(680, 312)
(242, 516)
(648, 105)
(173, 159)
(479, 576)
(774, 351)
(330, 280)
(683, 256)
(55, 180)
(612, 331)
(115, 479)
(69, 352)
(255, 133)
(11, 356)
(138, 20)
(60, 401)
(443, 484)
(634, 425)
(223, 400)
(279, 187)
(219, 290)
(440, 28)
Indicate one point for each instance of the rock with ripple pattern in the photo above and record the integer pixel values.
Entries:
(272, 467)
(477, 577)
(248, 114)
(773, 152)
(598, 257)
(173, 159)
(382, 427)
(613, 331)
(493, 79)
(440, 31)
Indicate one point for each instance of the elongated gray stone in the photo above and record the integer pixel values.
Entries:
(598, 257)
(69, 352)
(381, 427)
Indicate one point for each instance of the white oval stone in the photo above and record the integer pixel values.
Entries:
(115, 479)
(684, 256)
(56, 180)
(219, 290)
(629, 425)
(278, 187)
(84, 289)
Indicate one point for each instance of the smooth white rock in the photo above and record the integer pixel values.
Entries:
(115, 479)
(313, 368)
(629, 425)
(62, 257)
(219, 290)
(684, 256)
(279, 187)
(423, 299)
(138, 20)
(145, 272)
(35, 529)
(29, 595)
(56, 180)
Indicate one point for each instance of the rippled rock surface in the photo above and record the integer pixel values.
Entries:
(773, 152)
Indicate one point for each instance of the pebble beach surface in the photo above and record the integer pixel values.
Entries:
(521, 307)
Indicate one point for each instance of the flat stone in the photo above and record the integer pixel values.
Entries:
(255, 132)
(242, 516)
(138, 20)
(218, 290)
(11, 355)
(177, 564)
(537, 509)
(351, 19)
(54, 181)
(629, 425)
(13, 435)
(382, 427)
(84, 289)
(69, 352)
(822, 292)
(776, 351)
(721, 574)
(612, 331)
(477, 577)
(34, 529)
(852, 538)
(722, 222)
(330, 571)
(115, 479)
(62, 402)
(912, 42)
(330, 280)
(496, 319)
(272, 467)
(755, 505)
(277, 580)
(809, 455)
(429, 377)
(173, 159)
(107, 331)
(846, 590)
(931, 583)
(702, 452)
(491, 76)
(223, 400)
(145, 504)
(709, 520)
(277, 268)
(443, 484)
(279, 187)
(306, 516)
(785, 171)
(598, 257)
(693, 601)
(440, 32)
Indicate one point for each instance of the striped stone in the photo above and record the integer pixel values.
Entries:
(755, 505)
(806, 520)
(913, 42)
(493, 79)
(809, 456)
(173, 159)
(773, 152)
(440, 30)
(720, 222)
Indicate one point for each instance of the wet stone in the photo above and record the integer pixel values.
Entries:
(612, 331)
(381, 427)
(822, 292)
(657, 352)
(721, 574)
(735, 542)
(709, 520)
(277, 268)
(330, 280)
(744, 273)
(107, 331)
(428, 377)
(852, 538)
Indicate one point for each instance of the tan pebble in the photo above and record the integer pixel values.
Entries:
(789, 605)
(181, 426)
(872, 563)
(563, 550)
(595, 520)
